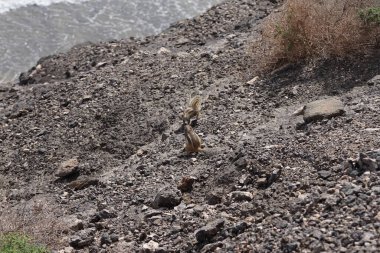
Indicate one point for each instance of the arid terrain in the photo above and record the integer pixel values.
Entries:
(91, 143)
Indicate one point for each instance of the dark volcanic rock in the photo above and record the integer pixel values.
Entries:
(167, 197)
(241, 196)
(103, 214)
(213, 198)
(368, 161)
(84, 238)
(209, 231)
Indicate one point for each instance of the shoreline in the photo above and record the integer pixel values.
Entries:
(48, 30)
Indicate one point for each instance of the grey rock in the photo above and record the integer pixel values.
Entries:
(276, 173)
(103, 214)
(212, 247)
(78, 242)
(325, 174)
(262, 182)
(73, 222)
(210, 230)
(151, 246)
(376, 190)
(213, 198)
(241, 196)
(350, 189)
(94, 249)
(105, 239)
(238, 228)
(290, 247)
(368, 161)
(168, 197)
(19, 109)
(241, 163)
(114, 237)
(67, 168)
(330, 199)
(163, 51)
(86, 98)
(106, 214)
(74, 241)
(374, 81)
(323, 109)
(152, 213)
(367, 236)
(245, 179)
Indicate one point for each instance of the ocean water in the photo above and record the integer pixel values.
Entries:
(31, 29)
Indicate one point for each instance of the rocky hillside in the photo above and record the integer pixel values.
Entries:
(91, 142)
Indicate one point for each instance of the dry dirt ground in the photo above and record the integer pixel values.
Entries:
(266, 182)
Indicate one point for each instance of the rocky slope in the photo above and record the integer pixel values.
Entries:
(91, 146)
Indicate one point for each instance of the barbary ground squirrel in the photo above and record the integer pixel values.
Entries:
(193, 142)
(192, 110)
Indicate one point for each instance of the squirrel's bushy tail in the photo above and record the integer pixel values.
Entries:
(195, 103)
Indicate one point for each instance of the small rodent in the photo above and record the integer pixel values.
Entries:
(193, 110)
(193, 142)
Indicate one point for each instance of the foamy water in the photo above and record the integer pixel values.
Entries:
(7, 5)
(31, 29)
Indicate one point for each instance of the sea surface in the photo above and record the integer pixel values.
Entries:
(31, 29)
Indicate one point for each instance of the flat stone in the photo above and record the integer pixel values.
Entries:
(101, 64)
(253, 80)
(323, 109)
